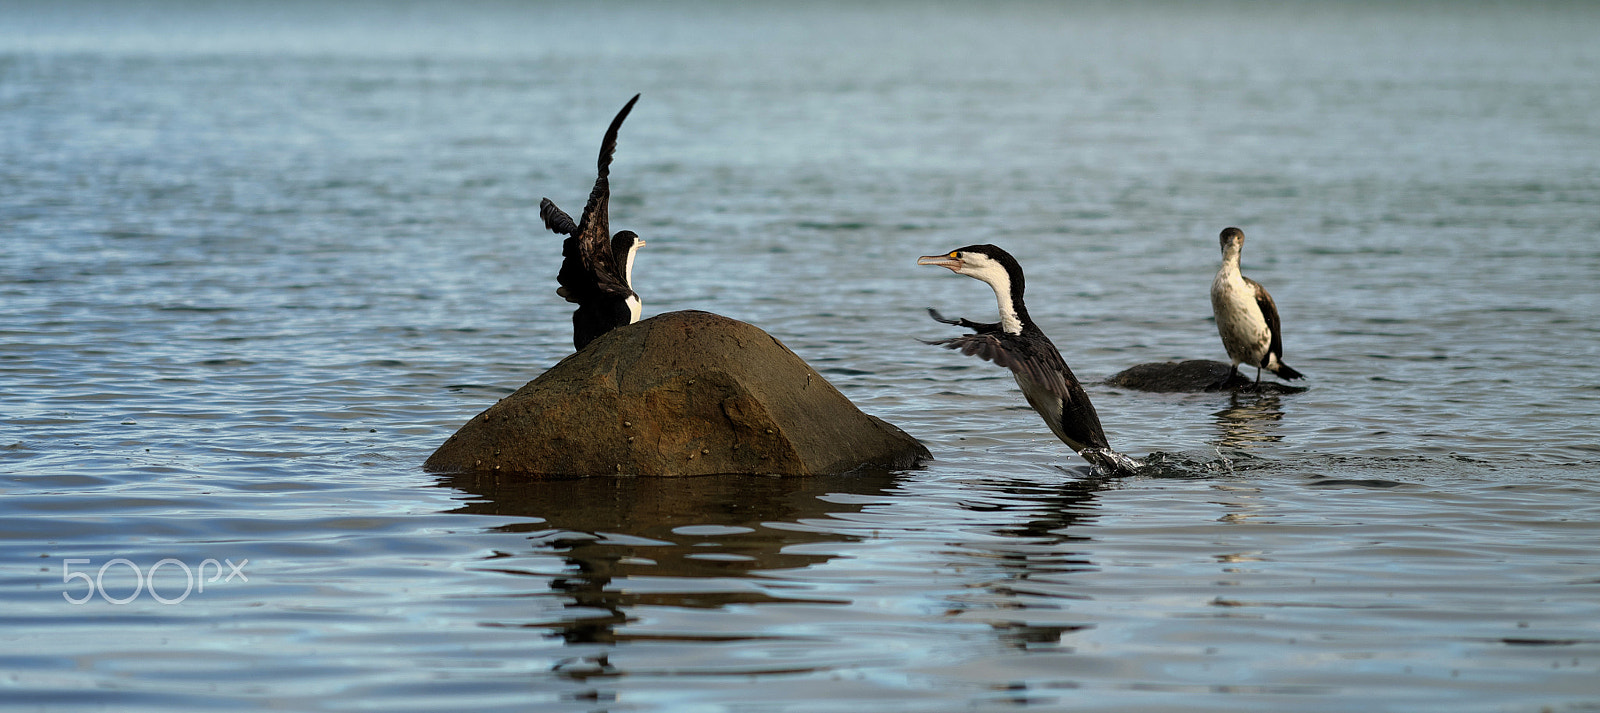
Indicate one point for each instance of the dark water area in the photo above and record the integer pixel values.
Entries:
(258, 261)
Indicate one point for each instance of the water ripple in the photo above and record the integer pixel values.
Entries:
(258, 264)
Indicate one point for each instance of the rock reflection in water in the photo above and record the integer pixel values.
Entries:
(1249, 420)
(702, 528)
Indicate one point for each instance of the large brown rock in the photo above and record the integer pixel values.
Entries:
(683, 393)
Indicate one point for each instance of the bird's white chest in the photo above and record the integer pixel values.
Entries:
(1240, 323)
(635, 307)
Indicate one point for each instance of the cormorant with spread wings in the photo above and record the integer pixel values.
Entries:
(596, 266)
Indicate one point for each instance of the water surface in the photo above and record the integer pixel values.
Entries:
(260, 261)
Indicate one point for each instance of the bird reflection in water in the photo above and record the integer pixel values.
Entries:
(1038, 544)
(1249, 420)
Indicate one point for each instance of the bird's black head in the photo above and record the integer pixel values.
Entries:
(624, 246)
(984, 262)
(624, 241)
(995, 267)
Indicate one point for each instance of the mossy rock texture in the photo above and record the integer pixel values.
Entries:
(683, 393)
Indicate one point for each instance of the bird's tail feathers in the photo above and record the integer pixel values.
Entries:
(1287, 372)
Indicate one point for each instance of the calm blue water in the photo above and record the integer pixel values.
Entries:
(259, 261)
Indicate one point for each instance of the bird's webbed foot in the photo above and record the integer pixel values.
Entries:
(1105, 461)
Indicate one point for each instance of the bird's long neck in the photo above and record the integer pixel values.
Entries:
(1229, 270)
(627, 265)
(635, 304)
(1008, 292)
(1230, 263)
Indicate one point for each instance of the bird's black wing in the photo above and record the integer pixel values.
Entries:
(995, 347)
(1042, 365)
(1079, 423)
(1269, 311)
(577, 285)
(964, 323)
(556, 219)
(594, 228)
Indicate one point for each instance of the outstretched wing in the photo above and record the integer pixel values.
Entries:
(594, 228)
(556, 219)
(1046, 381)
(964, 323)
(992, 347)
(1269, 311)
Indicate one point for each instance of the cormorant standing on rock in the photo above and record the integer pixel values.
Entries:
(596, 267)
(1247, 319)
(1017, 343)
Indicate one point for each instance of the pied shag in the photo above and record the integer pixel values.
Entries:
(1247, 319)
(1017, 343)
(596, 267)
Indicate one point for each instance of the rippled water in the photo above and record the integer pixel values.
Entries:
(259, 261)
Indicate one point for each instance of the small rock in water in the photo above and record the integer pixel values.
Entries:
(1194, 375)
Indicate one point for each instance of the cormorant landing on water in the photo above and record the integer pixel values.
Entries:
(1247, 319)
(1017, 343)
(596, 267)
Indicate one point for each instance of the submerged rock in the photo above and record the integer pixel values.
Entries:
(683, 393)
(1191, 376)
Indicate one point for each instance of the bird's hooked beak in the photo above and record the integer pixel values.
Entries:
(640, 243)
(947, 260)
